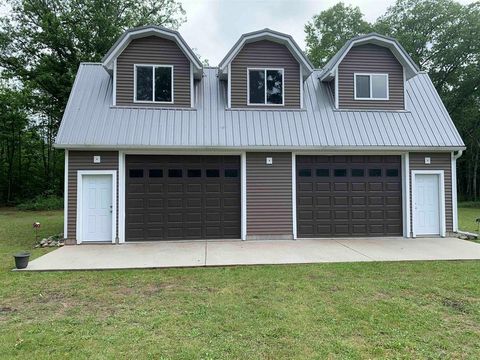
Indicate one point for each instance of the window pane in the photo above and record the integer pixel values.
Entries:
(305, 172)
(231, 173)
(392, 172)
(194, 172)
(144, 83)
(257, 86)
(174, 172)
(163, 84)
(379, 86)
(135, 173)
(358, 172)
(340, 172)
(213, 173)
(375, 172)
(155, 173)
(274, 87)
(362, 86)
(323, 172)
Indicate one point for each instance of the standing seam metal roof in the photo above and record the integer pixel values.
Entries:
(90, 120)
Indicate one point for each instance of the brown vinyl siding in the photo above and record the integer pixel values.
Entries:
(153, 50)
(439, 161)
(265, 54)
(83, 160)
(269, 195)
(370, 58)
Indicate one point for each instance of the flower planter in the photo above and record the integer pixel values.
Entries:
(21, 260)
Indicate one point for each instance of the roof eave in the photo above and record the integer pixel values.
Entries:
(136, 33)
(267, 34)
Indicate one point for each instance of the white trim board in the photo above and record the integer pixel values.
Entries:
(121, 197)
(65, 198)
(243, 200)
(441, 192)
(80, 174)
(294, 195)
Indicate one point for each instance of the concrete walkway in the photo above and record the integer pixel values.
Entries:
(219, 253)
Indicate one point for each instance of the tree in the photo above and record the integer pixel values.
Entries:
(443, 37)
(330, 29)
(43, 42)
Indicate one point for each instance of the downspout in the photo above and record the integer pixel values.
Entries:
(454, 189)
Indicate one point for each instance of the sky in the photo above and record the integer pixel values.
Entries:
(213, 26)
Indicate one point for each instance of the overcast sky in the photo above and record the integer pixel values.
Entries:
(213, 26)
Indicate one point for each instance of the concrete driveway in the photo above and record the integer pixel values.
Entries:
(221, 253)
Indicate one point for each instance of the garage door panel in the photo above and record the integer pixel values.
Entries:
(353, 195)
(182, 197)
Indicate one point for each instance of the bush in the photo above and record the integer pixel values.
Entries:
(50, 202)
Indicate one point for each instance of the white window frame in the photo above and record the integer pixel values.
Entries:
(265, 69)
(154, 66)
(371, 86)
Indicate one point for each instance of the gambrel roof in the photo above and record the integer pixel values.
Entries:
(90, 120)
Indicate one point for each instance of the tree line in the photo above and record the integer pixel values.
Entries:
(43, 42)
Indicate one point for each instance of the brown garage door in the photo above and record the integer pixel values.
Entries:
(349, 196)
(182, 197)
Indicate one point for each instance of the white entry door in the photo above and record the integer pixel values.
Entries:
(97, 208)
(427, 204)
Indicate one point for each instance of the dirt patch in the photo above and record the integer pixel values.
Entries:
(457, 305)
(6, 310)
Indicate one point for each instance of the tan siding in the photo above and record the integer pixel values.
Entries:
(265, 53)
(370, 58)
(83, 160)
(269, 194)
(439, 161)
(153, 50)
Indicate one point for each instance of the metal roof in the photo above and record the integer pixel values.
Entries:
(373, 38)
(91, 121)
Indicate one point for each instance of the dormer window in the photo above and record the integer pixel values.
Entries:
(371, 86)
(153, 83)
(265, 86)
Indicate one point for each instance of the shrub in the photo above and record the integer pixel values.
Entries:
(50, 202)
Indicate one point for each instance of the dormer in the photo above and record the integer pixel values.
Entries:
(369, 72)
(152, 67)
(265, 69)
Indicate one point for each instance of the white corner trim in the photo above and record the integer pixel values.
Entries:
(65, 198)
(229, 84)
(336, 89)
(454, 193)
(192, 88)
(301, 86)
(407, 202)
(80, 173)
(441, 175)
(243, 166)
(121, 197)
(405, 107)
(114, 92)
(294, 196)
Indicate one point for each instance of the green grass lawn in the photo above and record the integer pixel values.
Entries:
(467, 217)
(363, 310)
